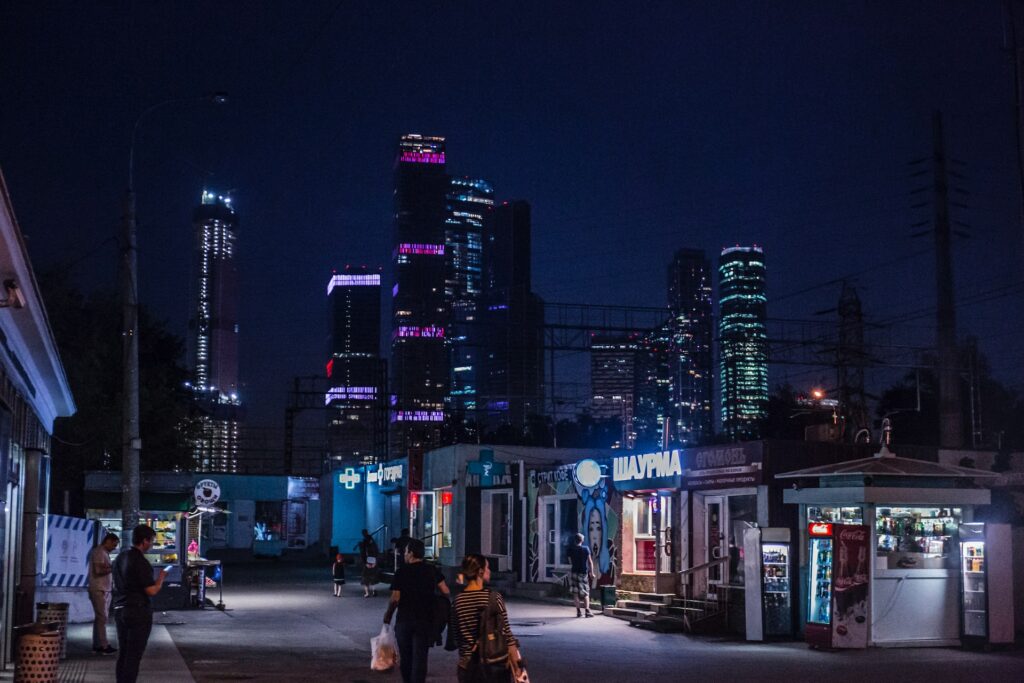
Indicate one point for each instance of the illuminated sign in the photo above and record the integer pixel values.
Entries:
(422, 157)
(418, 416)
(349, 478)
(426, 332)
(446, 497)
(394, 290)
(385, 474)
(422, 249)
(350, 393)
(587, 473)
(647, 466)
(207, 492)
(330, 367)
(819, 529)
(353, 281)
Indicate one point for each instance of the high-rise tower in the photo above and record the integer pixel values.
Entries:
(357, 422)
(214, 326)
(468, 202)
(613, 381)
(420, 376)
(743, 341)
(689, 302)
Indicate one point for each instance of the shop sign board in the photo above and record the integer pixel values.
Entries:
(303, 488)
(386, 474)
(726, 466)
(658, 470)
(206, 493)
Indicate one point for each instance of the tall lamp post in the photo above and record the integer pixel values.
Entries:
(131, 439)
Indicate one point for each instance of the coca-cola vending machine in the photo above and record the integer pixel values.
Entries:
(837, 611)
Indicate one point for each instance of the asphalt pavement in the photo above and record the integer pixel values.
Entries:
(283, 624)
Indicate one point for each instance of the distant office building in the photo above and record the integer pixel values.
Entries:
(689, 302)
(743, 341)
(469, 201)
(420, 374)
(512, 377)
(652, 402)
(613, 382)
(357, 379)
(214, 325)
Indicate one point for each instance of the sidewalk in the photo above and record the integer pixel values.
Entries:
(162, 662)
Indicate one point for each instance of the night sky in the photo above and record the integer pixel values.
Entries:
(632, 129)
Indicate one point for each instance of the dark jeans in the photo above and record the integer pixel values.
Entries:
(413, 647)
(133, 627)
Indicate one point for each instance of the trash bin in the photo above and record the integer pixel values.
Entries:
(37, 652)
(607, 596)
(55, 611)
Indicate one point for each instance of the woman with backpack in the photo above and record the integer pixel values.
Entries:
(487, 649)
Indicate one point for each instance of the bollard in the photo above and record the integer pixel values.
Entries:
(37, 656)
(55, 611)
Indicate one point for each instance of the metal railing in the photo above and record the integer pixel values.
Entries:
(687, 576)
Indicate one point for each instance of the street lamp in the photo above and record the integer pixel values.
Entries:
(131, 440)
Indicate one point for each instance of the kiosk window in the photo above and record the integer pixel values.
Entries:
(916, 537)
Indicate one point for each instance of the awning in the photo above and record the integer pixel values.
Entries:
(150, 502)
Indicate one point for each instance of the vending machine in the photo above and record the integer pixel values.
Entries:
(766, 571)
(838, 581)
(986, 568)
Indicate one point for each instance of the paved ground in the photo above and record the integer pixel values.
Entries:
(283, 624)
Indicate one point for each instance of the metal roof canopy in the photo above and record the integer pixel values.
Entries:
(886, 464)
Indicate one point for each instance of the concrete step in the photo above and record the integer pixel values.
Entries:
(656, 607)
(664, 598)
(664, 624)
(680, 611)
(628, 614)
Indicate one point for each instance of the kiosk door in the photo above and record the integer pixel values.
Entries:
(496, 526)
(559, 523)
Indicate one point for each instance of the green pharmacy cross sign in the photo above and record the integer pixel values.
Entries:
(486, 468)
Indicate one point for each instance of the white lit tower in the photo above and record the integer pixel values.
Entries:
(214, 326)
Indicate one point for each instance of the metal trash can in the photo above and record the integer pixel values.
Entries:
(607, 596)
(37, 653)
(55, 611)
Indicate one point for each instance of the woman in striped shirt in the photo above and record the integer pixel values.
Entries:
(468, 609)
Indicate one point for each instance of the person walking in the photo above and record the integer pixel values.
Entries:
(469, 608)
(412, 594)
(134, 585)
(398, 547)
(368, 554)
(338, 572)
(580, 575)
(100, 585)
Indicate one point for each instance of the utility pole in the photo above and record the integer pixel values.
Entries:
(851, 359)
(132, 442)
(950, 417)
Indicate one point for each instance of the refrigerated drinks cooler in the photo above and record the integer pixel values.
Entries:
(766, 571)
(837, 595)
(986, 571)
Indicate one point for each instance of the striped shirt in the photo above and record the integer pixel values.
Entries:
(469, 607)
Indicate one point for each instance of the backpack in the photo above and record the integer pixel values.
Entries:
(491, 649)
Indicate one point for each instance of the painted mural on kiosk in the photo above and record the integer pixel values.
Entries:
(597, 517)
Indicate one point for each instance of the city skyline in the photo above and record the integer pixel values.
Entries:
(705, 166)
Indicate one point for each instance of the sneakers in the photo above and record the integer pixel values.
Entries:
(589, 614)
(578, 614)
(108, 650)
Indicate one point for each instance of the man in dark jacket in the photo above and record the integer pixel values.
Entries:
(134, 585)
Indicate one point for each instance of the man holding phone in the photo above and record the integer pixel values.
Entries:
(134, 585)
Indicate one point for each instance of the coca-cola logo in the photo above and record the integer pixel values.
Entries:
(820, 529)
(853, 535)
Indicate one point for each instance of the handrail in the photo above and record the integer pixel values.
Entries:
(706, 565)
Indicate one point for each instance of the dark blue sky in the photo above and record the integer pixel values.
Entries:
(632, 128)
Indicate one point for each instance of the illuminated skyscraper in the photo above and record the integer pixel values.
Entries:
(689, 302)
(214, 323)
(357, 419)
(420, 375)
(613, 381)
(743, 341)
(468, 203)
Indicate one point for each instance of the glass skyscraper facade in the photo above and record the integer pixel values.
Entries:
(468, 203)
(420, 374)
(356, 401)
(743, 341)
(690, 383)
(214, 342)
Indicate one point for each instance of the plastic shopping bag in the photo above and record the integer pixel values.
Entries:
(384, 650)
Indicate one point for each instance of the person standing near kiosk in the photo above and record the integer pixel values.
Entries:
(134, 585)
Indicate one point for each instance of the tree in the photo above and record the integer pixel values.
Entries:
(87, 330)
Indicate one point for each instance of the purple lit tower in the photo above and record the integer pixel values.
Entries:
(419, 358)
(214, 326)
(357, 407)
